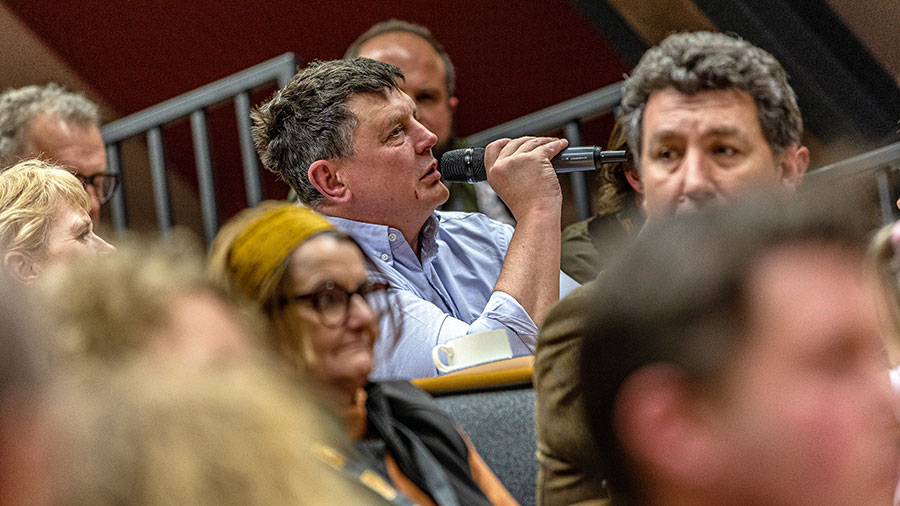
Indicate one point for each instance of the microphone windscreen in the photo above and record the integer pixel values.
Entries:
(463, 165)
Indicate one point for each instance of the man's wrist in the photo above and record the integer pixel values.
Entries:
(540, 211)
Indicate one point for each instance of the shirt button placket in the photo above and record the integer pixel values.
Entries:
(391, 237)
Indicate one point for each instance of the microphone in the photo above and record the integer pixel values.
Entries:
(467, 165)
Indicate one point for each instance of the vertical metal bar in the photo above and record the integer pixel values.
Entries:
(287, 72)
(248, 153)
(882, 179)
(205, 180)
(572, 131)
(117, 204)
(160, 181)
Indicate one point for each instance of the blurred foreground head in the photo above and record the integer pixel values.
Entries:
(733, 357)
(160, 433)
(162, 400)
(149, 298)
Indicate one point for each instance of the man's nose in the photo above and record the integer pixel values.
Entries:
(428, 138)
(698, 183)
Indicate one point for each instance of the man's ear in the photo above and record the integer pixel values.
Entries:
(664, 435)
(453, 102)
(326, 177)
(794, 162)
(20, 267)
(634, 179)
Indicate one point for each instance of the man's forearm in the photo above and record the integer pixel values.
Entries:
(522, 175)
(530, 271)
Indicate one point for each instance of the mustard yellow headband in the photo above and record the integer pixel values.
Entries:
(267, 241)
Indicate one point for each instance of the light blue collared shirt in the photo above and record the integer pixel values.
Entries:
(449, 294)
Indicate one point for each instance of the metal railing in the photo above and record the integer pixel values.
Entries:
(879, 164)
(568, 116)
(193, 104)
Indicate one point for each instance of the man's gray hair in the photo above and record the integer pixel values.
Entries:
(704, 61)
(309, 120)
(397, 25)
(19, 105)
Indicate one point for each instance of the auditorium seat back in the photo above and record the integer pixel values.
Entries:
(501, 425)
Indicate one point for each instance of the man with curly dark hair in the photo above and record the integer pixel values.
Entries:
(707, 117)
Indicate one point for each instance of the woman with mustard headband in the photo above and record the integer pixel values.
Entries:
(304, 275)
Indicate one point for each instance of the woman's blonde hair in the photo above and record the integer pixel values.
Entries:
(30, 193)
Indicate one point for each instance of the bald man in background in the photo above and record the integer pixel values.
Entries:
(430, 80)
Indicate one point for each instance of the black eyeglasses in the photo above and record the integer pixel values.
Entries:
(332, 301)
(104, 184)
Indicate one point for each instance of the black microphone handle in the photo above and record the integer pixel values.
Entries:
(467, 165)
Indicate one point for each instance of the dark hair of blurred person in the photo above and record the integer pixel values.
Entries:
(311, 281)
(733, 357)
(43, 219)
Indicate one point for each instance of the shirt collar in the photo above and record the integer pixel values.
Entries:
(428, 237)
(382, 241)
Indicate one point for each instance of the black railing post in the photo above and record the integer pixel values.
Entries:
(205, 181)
(580, 191)
(235, 87)
(248, 153)
(117, 203)
(160, 180)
